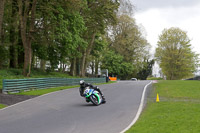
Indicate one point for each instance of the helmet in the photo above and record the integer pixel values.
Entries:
(82, 82)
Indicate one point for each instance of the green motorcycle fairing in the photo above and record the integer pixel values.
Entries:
(88, 92)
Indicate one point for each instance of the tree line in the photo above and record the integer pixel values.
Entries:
(74, 34)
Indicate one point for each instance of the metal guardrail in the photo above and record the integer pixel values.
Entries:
(17, 85)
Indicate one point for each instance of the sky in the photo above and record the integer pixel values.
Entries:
(156, 15)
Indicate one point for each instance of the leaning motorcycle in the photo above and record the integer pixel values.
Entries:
(92, 95)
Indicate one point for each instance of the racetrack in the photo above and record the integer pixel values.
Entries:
(66, 112)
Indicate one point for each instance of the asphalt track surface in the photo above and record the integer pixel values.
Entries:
(66, 112)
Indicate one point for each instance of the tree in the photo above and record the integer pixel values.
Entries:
(58, 39)
(13, 20)
(2, 48)
(175, 55)
(97, 52)
(127, 40)
(2, 3)
(145, 70)
(98, 15)
(116, 65)
(9, 34)
(27, 11)
(112, 62)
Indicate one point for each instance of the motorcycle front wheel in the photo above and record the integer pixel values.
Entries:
(94, 100)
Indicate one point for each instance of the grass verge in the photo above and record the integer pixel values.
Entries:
(45, 91)
(2, 106)
(184, 89)
(177, 112)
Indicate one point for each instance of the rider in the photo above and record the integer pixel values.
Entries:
(83, 85)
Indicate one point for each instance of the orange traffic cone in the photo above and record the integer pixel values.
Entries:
(157, 98)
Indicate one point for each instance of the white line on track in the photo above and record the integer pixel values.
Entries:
(139, 109)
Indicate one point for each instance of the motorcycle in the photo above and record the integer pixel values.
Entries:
(92, 95)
